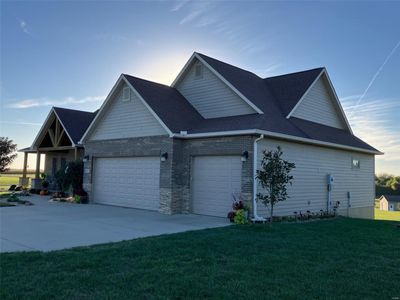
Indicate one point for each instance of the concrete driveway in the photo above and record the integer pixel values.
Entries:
(48, 226)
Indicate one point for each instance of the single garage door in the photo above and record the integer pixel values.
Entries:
(127, 181)
(215, 179)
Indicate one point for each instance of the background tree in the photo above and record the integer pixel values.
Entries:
(7, 155)
(274, 176)
(387, 185)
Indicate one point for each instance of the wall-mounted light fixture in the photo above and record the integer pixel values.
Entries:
(164, 156)
(86, 158)
(245, 156)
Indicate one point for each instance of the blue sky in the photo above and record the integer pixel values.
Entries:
(69, 54)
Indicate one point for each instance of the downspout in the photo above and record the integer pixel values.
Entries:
(256, 217)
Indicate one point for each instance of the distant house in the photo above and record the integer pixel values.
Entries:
(389, 202)
(187, 147)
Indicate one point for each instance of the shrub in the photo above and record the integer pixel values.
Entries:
(241, 217)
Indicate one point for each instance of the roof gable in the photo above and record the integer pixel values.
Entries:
(289, 88)
(213, 67)
(121, 118)
(320, 104)
(209, 95)
(73, 122)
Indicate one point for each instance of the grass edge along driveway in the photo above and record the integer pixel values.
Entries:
(335, 259)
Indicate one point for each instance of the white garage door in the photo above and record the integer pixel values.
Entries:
(215, 179)
(127, 181)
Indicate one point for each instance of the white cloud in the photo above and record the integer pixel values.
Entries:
(372, 123)
(40, 102)
(21, 123)
(179, 5)
(190, 17)
(24, 26)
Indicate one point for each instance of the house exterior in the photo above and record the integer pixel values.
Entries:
(188, 147)
(389, 202)
(58, 140)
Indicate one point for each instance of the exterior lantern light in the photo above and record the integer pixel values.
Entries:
(245, 156)
(86, 158)
(164, 156)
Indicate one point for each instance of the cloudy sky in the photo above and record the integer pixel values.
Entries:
(69, 54)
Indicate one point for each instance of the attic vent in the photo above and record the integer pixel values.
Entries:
(126, 94)
(198, 71)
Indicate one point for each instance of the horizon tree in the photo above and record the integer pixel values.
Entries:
(7, 155)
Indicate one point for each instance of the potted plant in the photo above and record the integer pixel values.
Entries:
(240, 211)
(45, 184)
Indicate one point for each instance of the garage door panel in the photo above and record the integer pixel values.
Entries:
(215, 179)
(127, 181)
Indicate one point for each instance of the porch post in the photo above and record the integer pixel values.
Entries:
(76, 153)
(37, 173)
(25, 165)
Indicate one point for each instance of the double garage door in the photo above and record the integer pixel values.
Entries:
(127, 181)
(135, 182)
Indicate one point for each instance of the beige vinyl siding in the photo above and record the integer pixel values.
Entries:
(126, 119)
(319, 106)
(313, 164)
(210, 96)
(383, 205)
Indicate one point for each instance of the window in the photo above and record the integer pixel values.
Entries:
(126, 94)
(198, 71)
(355, 163)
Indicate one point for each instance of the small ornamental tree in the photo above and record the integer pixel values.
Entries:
(7, 155)
(274, 177)
(74, 172)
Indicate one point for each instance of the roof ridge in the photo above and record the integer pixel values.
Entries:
(233, 66)
(293, 73)
(70, 109)
(149, 81)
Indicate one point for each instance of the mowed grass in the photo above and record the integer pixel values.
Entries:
(333, 259)
(387, 215)
(7, 179)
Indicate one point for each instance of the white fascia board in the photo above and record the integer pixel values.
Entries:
(65, 129)
(212, 70)
(278, 136)
(148, 107)
(304, 95)
(100, 112)
(33, 146)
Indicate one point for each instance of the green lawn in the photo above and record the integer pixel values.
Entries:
(6, 179)
(387, 215)
(334, 259)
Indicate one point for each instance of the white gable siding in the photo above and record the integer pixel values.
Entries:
(318, 106)
(211, 97)
(309, 189)
(125, 119)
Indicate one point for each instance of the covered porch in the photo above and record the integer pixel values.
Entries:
(54, 140)
(55, 158)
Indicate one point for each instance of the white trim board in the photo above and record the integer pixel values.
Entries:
(279, 136)
(195, 55)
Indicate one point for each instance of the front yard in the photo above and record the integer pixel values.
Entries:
(335, 259)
